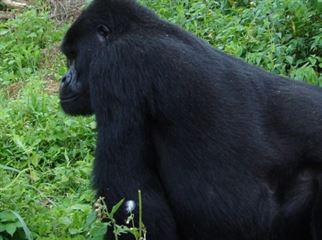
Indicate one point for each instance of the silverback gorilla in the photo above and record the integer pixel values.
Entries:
(221, 150)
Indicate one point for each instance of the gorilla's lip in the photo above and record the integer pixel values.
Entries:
(69, 98)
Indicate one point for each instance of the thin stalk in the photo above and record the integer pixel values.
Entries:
(140, 214)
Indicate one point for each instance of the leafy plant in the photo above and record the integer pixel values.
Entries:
(13, 226)
(102, 220)
(32, 31)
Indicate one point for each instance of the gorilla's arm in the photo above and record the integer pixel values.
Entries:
(125, 158)
(121, 157)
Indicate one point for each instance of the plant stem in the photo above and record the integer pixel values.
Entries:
(140, 214)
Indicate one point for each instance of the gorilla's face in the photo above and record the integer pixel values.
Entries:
(74, 92)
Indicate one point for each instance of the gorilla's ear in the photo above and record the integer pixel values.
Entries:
(103, 32)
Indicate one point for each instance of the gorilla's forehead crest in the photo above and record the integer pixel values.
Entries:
(118, 15)
(107, 9)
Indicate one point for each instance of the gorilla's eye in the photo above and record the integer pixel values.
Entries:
(103, 31)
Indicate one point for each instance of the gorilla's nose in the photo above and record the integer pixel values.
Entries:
(66, 89)
(66, 80)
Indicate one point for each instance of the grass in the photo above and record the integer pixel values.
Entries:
(46, 157)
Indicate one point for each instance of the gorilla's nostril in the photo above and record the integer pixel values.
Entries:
(67, 79)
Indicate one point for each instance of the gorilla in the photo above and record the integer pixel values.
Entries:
(220, 149)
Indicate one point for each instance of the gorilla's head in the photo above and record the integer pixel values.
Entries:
(93, 46)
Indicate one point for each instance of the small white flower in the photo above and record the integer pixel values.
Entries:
(129, 206)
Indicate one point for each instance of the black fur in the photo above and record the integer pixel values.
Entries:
(221, 150)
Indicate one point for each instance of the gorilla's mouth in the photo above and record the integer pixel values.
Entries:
(70, 98)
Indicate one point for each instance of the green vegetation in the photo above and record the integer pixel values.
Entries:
(46, 157)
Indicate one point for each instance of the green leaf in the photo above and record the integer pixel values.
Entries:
(81, 207)
(4, 32)
(74, 231)
(90, 219)
(9, 169)
(65, 220)
(118, 230)
(116, 208)
(134, 232)
(11, 228)
(24, 225)
(32, 35)
(7, 216)
(2, 227)
(289, 59)
(98, 231)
